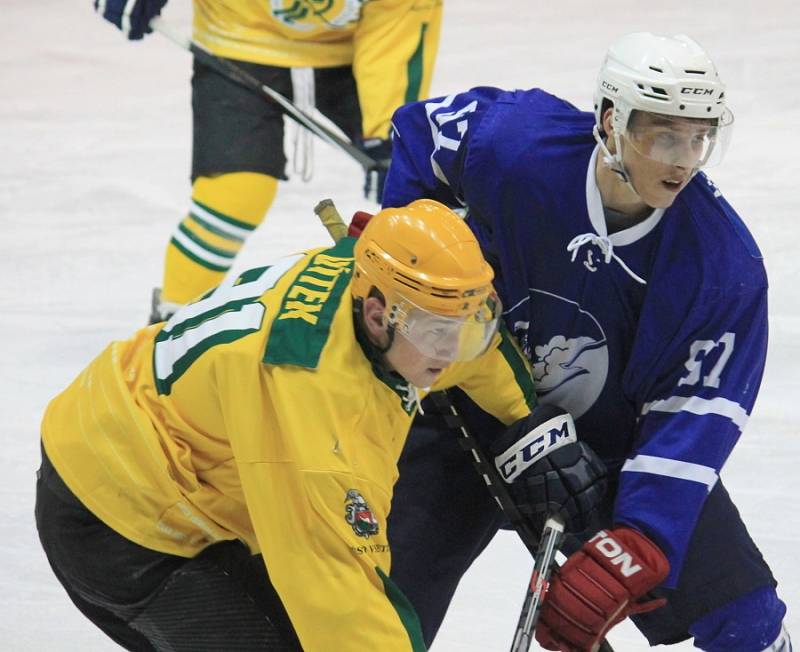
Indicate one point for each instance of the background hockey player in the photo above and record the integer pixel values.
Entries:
(640, 298)
(356, 61)
(268, 417)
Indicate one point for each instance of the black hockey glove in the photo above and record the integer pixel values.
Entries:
(549, 471)
(381, 151)
(131, 16)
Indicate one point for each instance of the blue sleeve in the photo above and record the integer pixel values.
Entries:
(430, 141)
(698, 406)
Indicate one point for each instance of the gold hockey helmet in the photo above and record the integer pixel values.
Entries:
(436, 283)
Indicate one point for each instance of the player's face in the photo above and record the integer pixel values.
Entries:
(657, 183)
(418, 369)
(661, 153)
(658, 158)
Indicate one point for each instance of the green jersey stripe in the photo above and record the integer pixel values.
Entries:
(521, 374)
(414, 68)
(405, 611)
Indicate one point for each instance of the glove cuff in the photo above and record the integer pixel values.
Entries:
(627, 554)
(358, 223)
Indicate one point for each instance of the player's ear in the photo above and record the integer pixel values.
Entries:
(608, 126)
(373, 319)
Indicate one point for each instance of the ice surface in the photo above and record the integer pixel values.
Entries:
(95, 144)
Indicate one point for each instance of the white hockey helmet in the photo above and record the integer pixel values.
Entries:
(669, 76)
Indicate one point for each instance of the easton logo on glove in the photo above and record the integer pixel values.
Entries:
(615, 553)
(536, 444)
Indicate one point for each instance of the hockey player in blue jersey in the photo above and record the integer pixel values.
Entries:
(640, 298)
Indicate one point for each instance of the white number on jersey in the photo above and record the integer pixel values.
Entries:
(699, 351)
(230, 312)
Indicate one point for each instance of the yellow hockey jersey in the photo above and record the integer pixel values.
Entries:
(391, 44)
(255, 414)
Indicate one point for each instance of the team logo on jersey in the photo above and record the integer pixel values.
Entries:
(358, 514)
(305, 15)
(569, 370)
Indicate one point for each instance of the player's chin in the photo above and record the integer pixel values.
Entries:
(428, 376)
(662, 196)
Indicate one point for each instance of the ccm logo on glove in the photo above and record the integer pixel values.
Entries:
(538, 443)
(612, 550)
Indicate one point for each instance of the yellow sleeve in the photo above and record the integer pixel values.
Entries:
(321, 523)
(395, 48)
(500, 381)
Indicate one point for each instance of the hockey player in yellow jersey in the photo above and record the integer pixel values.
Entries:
(221, 481)
(355, 60)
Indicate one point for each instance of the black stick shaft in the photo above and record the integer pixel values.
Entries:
(549, 544)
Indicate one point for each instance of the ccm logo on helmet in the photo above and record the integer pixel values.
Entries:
(535, 445)
(611, 550)
(609, 86)
(696, 91)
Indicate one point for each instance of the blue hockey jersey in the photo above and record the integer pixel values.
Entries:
(654, 337)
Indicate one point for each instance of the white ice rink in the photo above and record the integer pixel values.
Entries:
(94, 158)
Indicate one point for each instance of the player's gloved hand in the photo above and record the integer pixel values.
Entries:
(131, 16)
(550, 471)
(598, 587)
(358, 223)
(380, 150)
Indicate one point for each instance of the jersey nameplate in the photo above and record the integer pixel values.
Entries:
(302, 326)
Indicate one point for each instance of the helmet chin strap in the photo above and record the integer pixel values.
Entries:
(614, 161)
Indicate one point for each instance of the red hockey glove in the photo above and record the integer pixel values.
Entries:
(358, 223)
(598, 587)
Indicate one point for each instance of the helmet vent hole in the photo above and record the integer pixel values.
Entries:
(656, 69)
(682, 107)
(695, 72)
(657, 94)
(413, 260)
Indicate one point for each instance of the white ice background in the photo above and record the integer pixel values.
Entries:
(94, 158)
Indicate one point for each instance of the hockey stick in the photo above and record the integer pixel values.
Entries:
(544, 548)
(548, 544)
(545, 560)
(237, 74)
